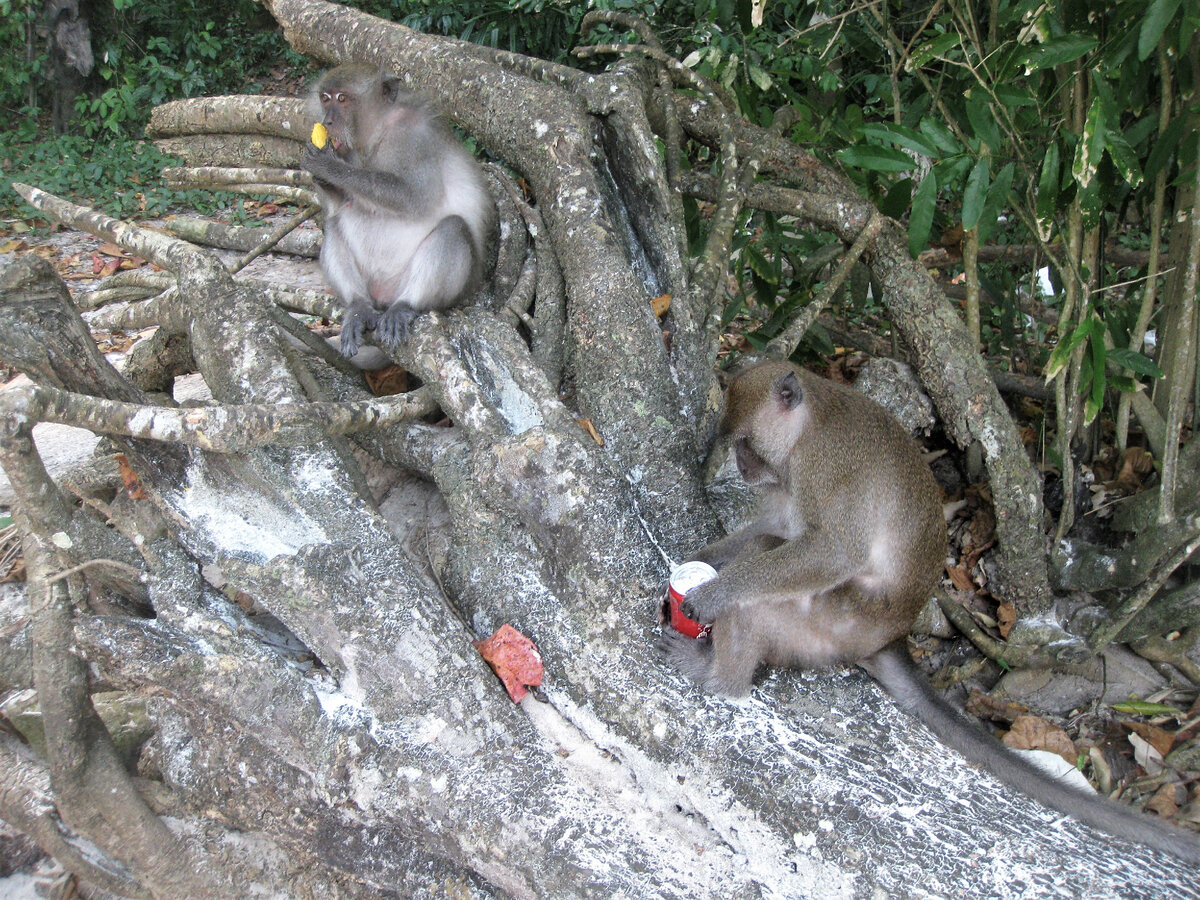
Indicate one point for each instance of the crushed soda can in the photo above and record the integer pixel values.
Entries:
(683, 579)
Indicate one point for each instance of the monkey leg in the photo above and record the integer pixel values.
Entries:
(723, 663)
(442, 269)
(359, 316)
(738, 649)
(691, 656)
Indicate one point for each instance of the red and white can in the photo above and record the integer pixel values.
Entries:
(683, 579)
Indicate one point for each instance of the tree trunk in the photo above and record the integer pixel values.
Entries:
(321, 724)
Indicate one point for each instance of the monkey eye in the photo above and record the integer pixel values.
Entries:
(341, 97)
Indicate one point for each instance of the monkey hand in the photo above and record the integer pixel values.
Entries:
(705, 602)
(321, 162)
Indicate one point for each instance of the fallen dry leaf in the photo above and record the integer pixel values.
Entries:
(111, 249)
(514, 658)
(1006, 617)
(129, 479)
(1165, 801)
(984, 706)
(1158, 738)
(591, 430)
(961, 578)
(1035, 733)
(1145, 755)
(103, 267)
(388, 381)
(1136, 464)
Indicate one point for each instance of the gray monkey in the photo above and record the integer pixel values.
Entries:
(408, 216)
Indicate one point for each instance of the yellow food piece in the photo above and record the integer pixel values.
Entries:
(320, 135)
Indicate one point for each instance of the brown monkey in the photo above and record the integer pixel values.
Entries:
(408, 216)
(845, 550)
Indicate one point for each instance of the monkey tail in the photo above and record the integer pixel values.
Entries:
(893, 668)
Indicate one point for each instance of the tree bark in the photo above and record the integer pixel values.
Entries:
(322, 726)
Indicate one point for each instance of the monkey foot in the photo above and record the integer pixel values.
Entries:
(391, 329)
(687, 654)
(356, 321)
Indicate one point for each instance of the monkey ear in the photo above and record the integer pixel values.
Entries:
(391, 87)
(789, 391)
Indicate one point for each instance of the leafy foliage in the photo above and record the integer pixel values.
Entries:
(126, 173)
(956, 115)
(146, 53)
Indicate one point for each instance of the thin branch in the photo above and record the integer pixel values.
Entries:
(1104, 633)
(785, 344)
(220, 429)
(277, 235)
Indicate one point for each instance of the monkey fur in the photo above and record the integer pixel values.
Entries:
(408, 217)
(846, 547)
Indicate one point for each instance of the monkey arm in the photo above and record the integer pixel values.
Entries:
(814, 563)
(746, 540)
(404, 194)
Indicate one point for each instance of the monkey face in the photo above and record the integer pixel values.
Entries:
(336, 99)
(754, 469)
(765, 414)
(337, 106)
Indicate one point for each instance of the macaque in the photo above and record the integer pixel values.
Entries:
(846, 547)
(408, 217)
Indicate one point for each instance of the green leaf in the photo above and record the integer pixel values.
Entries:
(745, 16)
(1164, 147)
(976, 194)
(1124, 157)
(1091, 145)
(760, 78)
(997, 199)
(1047, 190)
(1014, 96)
(876, 159)
(760, 265)
(920, 221)
(983, 122)
(1062, 352)
(895, 204)
(1091, 203)
(1142, 708)
(1158, 17)
(941, 136)
(1095, 401)
(901, 137)
(939, 46)
(1135, 362)
(1122, 383)
(1057, 51)
(953, 170)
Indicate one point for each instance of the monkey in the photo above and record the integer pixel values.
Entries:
(408, 216)
(845, 547)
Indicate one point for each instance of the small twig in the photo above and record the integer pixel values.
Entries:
(110, 563)
(315, 344)
(785, 344)
(274, 238)
(1104, 633)
(961, 619)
